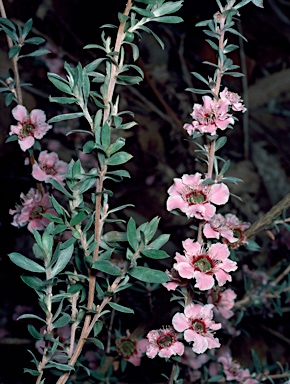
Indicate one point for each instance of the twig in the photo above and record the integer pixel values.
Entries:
(267, 219)
(14, 60)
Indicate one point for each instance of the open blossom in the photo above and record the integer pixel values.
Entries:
(203, 265)
(49, 166)
(29, 127)
(195, 199)
(197, 324)
(238, 227)
(217, 227)
(33, 205)
(131, 349)
(234, 371)
(210, 116)
(223, 301)
(235, 100)
(164, 343)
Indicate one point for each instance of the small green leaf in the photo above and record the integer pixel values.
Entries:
(25, 263)
(33, 282)
(39, 52)
(62, 321)
(60, 83)
(34, 40)
(63, 100)
(65, 116)
(154, 253)
(148, 275)
(59, 187)
(27, 27)
(30, 316)
(168, 19)
(33, 372)
(13, 51)
(107, 267)
(120, 308)
(97, 342)
(78, 218)
(61, 367)
(62, 261)
(132, 233)
(119, 158)
(34, 333)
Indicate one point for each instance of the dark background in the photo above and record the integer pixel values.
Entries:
(258, 146)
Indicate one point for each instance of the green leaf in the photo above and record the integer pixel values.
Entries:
(78, 218)
(143, 12)
(33, 372)
(25, 263)
(97, 342)
(119, 158)
(107, 267)
(34, 40)
(34, 333)
(148, 275)
(63, 100)
(39, 52)
(199, 77)
(120, 308)
(61, 367)
(65, 116)
(160, 241)
(62, 261)
(60, 83)
(132, 233)
(13, 51)
(59, 187)
(31, 316)
(62, 321)
(94, 64)
(33, 282)
(27, 27)
(154, 253)
(220, 142)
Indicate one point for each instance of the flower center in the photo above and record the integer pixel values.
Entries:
(194, 197)
(199, 326)
(36, 214)
(126, 347)
(203, 263)
(27, 129)
(237, 233)
(165, 341)
(48, 169)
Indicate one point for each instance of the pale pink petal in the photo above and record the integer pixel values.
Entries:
(26, 143)
(219, 194)
(152, 351)
(37, 116)
(209, 232)
(180, 322)
(200, 344)
(222, 277)
(191, 246)
(203, 281)
(19, 113)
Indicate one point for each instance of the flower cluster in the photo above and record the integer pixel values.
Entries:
(29, 127)
(164, 343)
(195, 199)
(197, 324)
(234, 371)
(203, 265)
(131, 349)
(34, 205)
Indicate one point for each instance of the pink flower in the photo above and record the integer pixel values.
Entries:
(238, 227)
(234, 371)
(201, 265)
(131, 349)
(196, 323)
(210, 116)
(216, 227)
(49, 166)
(164, 343)
(234, 99)
(223, 301)
(194, 199)
(31, 210)
(29, 127)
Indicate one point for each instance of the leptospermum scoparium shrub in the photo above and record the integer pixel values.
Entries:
(81, 271)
